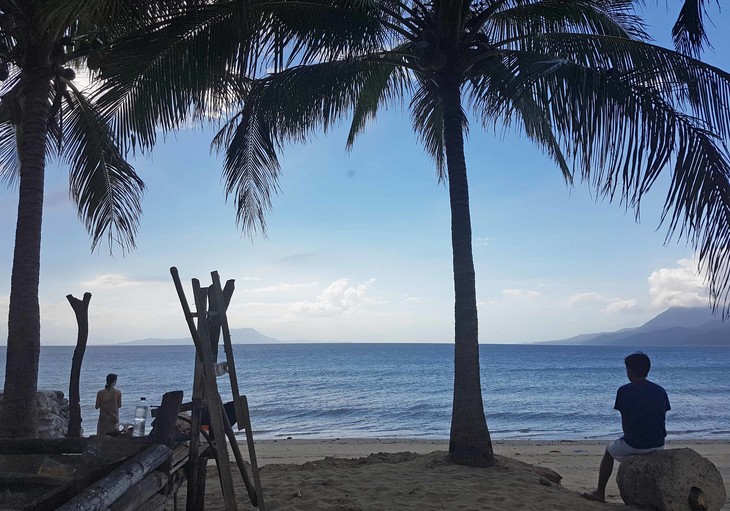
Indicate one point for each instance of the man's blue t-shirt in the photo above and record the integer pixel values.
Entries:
(643, 406)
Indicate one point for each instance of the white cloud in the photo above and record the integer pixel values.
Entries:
(682, 286)
(582, 299)
(281, 287)
(111, 281)
(519, 293)
(607, 305)
(619, 305)
(338, 298)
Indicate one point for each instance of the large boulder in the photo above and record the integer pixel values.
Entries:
(671, 480)
(51, 413)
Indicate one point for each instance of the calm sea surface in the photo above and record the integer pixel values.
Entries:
(405, 390)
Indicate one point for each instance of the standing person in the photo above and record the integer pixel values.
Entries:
(108, 402)
(643, 406)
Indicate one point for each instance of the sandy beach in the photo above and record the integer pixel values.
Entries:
(384, 474)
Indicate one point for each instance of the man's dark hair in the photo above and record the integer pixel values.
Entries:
(638, 363)
(111, 379)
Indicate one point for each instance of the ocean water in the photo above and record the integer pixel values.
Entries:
(405, 390)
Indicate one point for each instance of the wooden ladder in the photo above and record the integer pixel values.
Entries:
(214, 301)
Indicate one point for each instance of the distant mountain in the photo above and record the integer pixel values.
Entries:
(238, 336)
(678, 326)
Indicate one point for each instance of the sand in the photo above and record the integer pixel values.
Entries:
(399, 474)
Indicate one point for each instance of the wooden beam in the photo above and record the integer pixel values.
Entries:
(107, 490)
(218, 299)
(252, 453)
(250, 489)
(140, 492)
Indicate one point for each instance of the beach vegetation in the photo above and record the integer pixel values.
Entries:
(580, 79)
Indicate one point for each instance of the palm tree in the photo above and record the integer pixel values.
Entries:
(577, 77)
(44, 113)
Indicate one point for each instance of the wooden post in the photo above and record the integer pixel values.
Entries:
(252, 453)
(223, 319)
(81, 310)
(214, 323)
(250, 489)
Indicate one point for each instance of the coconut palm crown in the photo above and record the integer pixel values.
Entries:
(45, 113)
(579, 78)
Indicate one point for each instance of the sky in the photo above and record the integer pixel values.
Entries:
(358, 244)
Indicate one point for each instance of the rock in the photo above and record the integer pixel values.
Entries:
(671, 480)
(51, 413)
(548, 474)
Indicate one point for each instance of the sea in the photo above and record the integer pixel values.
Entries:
(377, 390)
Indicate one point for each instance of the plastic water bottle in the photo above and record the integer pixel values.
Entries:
(140, 417)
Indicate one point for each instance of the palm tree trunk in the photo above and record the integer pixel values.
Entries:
(24, 329)
(469, 442)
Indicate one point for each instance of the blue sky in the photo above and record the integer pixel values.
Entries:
(358, 245)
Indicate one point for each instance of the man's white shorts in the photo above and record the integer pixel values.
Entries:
(620, 450)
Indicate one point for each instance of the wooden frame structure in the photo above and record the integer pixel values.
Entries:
(211, 304)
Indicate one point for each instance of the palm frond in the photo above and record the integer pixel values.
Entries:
(387, 83)
(427, 118)
(9, 162)
(104, 186)
(688, 31)
(283, 107)
(623, 134)
(683, 81)
(9, 135)
(518, 19)
(251, 168)
(492, 102)
(179, 69)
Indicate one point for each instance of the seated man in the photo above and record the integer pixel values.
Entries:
(643, 406)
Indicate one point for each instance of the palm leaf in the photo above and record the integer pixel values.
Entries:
(104, 186)
(682, 80)
(689, 32)
(623, 134)
(427, 118)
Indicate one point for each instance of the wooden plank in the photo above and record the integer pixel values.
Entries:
(140, 492)
(215, 406)
(252, 453)
(228, 347)
(107, 490)
(214, 325)
(163, 427)
(81, 311)
(250, 489)
(193, 485)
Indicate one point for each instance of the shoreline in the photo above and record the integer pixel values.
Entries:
(576, 461)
